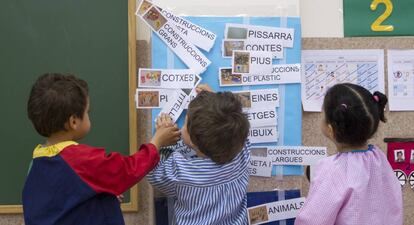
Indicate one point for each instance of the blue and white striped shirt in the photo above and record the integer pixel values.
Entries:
(204, 192)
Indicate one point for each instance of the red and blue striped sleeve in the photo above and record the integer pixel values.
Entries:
(110, 173)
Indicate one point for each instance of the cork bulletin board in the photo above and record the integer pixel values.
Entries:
(399, 124)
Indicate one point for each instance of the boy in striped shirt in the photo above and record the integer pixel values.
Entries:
(211, 188)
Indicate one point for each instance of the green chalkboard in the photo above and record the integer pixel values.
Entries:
(87, 38)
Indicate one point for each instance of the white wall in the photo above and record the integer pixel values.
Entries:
(232, 7)
(320, 18)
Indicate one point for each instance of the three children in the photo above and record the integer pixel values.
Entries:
(71, 183)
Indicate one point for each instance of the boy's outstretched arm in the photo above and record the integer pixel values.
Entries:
(114, 173)
(164, 176)
(166, 133)
(203, 87)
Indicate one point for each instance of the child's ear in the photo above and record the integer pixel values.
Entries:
(331, 133)
(192, 145)
(72, 123)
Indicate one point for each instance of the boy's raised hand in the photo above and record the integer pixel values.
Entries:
(163, 120)
(203, 87)
(166, 132)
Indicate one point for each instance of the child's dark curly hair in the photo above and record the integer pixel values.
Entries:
(54, 98)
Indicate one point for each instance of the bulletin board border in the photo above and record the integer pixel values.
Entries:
(132, 205)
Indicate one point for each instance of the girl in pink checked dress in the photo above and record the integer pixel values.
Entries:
(356, 186)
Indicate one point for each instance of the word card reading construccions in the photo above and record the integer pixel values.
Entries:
(168, 32)
(197, 35)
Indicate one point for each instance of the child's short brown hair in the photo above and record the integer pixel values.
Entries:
(54, 98)
(217, 125)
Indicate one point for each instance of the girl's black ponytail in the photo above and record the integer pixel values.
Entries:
(381, 100)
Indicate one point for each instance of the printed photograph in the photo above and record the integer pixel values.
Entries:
(228, 78)
(148, 99)
(150, 78)
(321, 68)
(236, 33)
(412, 156)
(241, 62)
(144, 7)
(154, 18)
(245, 99)
(398, 74)
(258, 214)
(399, 155)
(229, 46)
(262, 152)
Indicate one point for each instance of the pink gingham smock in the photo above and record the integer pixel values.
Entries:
(353, 188)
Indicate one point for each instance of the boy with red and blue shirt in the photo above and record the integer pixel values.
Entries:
(71, 183)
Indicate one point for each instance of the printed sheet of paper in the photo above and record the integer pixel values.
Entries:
(229, 45)
(197, 35)
(162, 78)
(193, 92)
(296, 155)
(281, 74)
(284, 36)
(264, 98)
(153, 98)
(263, 134)
(169, 34)
(175, 107)
(324, 68)
(275, 211)
(249, 62)
(291, 155)
(261, 117)
(401, 80)
(260, 166)
(184, 149)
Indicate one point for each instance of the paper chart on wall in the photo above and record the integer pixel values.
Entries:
(401, 80)
(284, 125)
(321, 69)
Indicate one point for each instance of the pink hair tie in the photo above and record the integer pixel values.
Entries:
(344, 105)
(376, 98)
